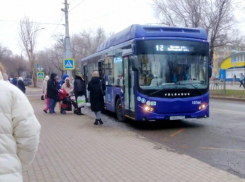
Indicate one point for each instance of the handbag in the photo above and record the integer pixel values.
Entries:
(42, 97)
(101, 90)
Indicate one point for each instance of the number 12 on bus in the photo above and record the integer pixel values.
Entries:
(154, 73)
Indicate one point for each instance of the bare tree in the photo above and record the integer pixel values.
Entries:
(4, 52)
(83, 44)
(183, 12)
(215, 16)
(56, 57)
(43, 58)
(15, 65)
(86, 42)
(28, 36)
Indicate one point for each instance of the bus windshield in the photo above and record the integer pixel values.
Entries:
(168, 64)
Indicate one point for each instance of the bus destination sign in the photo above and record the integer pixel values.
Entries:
(174, 48)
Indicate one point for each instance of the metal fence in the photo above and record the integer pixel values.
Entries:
(220, 87)
(217, 85)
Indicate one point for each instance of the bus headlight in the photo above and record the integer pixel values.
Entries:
(202, 106)
(148, 108)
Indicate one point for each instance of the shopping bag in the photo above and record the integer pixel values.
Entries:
(88, 104)
(81, 101)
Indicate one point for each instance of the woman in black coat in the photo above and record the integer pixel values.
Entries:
(52, 92)
(79, 90)
(21, 85)
(96, 87)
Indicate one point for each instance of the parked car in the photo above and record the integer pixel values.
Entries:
(27, 81)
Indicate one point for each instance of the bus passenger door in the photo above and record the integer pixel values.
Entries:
(101, 67)
(129, 100)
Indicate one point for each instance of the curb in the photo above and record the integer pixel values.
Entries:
(227, 98)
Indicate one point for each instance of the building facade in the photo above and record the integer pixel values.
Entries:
(234, 65)
(220, 53)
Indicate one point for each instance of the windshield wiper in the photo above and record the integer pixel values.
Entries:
(178, 83)
(157, 91)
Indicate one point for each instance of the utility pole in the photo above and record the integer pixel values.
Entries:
(67, 45)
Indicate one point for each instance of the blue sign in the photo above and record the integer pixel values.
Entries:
(40, 75)
(222, 74)
(68, 64)
(233, 60)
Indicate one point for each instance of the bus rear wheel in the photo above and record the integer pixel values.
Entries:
(119, 113)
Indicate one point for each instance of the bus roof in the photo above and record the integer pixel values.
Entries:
(139, 31)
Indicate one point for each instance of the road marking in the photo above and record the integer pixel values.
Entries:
(177, 132)
(213, 148)
(227, 111)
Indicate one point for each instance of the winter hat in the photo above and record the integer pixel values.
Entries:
(79, 74)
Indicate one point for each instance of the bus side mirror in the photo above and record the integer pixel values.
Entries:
(135, 63)
(209, 71)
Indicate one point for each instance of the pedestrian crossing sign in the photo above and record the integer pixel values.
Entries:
(40, 75)
(68, 64)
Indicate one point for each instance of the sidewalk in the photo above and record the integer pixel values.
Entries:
(227, 86)
(73, 149)
(234, 87)
(32, 89)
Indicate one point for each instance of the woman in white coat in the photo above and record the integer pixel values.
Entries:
(67, 86)
(19, 132)
(45, 83)
(45, 86)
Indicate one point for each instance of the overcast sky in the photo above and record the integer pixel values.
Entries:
(112, 15)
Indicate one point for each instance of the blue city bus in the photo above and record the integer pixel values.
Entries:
(154, 73)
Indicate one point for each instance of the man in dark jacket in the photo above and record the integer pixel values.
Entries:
(79, 90)
(21, 85)
(52, 92)
(14, 81)
(58, 87)
(96, 87)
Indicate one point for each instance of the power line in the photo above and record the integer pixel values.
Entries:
(72, 2)
(98, 17)
(57, 25)
(76, 5)
(54, 30)
(31, 22)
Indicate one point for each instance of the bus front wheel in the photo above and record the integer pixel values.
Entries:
(119, 113)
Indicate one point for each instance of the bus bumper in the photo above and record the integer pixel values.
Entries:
(151, 116)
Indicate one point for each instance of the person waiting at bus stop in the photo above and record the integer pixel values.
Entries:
(96, 87)
(52, 92)
(79, 90)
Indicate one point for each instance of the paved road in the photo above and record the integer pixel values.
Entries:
(218, 140)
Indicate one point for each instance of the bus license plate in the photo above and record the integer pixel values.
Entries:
(177, 117)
